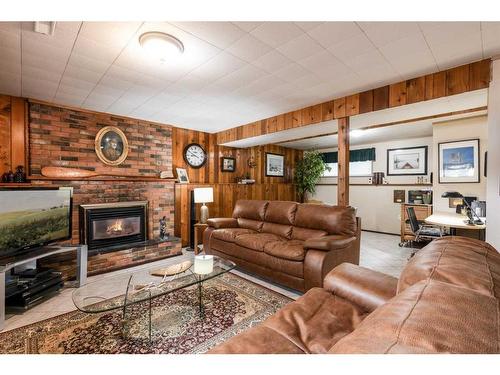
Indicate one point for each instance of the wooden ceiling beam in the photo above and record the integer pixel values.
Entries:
(453, 81)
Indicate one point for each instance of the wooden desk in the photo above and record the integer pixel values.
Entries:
(199, 229)
(454, 221)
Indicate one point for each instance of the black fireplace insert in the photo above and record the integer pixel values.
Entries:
(110, 226)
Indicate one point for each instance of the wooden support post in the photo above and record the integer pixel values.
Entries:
(343, 162)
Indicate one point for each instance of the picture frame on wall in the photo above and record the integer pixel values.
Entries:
(459, 161)
(275, 165)
(228, 164)
(407, 161)
(111, 145)
(182, 175)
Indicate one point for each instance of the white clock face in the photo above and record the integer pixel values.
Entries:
(195, 155)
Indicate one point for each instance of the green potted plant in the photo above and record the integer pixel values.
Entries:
(308, 171)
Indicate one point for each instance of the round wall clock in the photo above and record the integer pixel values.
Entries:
(195, 155)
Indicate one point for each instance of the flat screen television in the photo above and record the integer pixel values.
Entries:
(31, 218)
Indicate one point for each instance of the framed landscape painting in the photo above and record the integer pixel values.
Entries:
(228, 164)
(275, 165)
(459, 161)
(408, 161)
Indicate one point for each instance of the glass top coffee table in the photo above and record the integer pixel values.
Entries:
(142, 286)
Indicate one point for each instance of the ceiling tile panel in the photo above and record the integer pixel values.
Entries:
(246, 25)
(272, 61)
(300, 47)
(458, 50)
(331, 33)
(319, 61)
(308, 25)
(292, 72)
(240, 77)
(89, 48)
(220, 34)
(491, 41)
(351, 47)
(276, 34)
(113, 34)
(10, 83)
(382, 33)
(248, 48)
(219, 66)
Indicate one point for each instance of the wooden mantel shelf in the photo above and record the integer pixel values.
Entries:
(14, 184)
(103, 178)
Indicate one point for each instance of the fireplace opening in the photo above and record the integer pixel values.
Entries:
(104, 227)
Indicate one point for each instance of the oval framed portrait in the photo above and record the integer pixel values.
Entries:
(111, 145)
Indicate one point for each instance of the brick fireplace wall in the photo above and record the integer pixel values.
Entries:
(65, 137)
(160, 196)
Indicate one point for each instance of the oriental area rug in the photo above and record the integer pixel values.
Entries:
(232, 305)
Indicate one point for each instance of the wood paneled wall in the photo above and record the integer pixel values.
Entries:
(453, 81)
(225, 196)
(226, 191)
(5, 114)
(13, 133)
(211, 172)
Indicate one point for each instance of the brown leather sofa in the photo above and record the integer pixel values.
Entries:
(287, 242)
(446, 300)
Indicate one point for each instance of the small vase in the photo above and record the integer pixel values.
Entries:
(10, 176)
(20, 176)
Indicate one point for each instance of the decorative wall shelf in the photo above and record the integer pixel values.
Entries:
(422, 185)
(103, 178)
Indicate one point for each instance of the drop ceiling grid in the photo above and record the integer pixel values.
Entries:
(231, 73)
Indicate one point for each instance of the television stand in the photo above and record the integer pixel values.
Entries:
(9, 263)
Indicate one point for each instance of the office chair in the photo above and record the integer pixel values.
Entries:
(421, 231)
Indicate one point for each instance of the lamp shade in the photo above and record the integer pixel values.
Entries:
(452, 194)
(203, 195)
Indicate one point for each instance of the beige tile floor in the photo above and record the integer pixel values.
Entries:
(378, 251)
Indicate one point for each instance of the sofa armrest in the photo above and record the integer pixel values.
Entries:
(329, 243)
(366, 288)
(222, 222)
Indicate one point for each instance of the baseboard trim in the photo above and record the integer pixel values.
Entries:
(376, 231)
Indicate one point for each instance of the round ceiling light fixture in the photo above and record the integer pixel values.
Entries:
(161, 45)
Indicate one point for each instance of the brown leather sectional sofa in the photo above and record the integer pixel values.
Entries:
(290, 243)
(447, 299)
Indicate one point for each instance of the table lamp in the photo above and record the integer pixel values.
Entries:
(203, 195)
(470, 211)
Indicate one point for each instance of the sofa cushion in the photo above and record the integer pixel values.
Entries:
(256, 241)
(254, 225)
(222, 222)
(229, 234)
(449, 259)
(332, 219)
(305, 234)
(288, 249)
(281, 212)
(250, 209)
(429, 317)
(313, 324)
(277, 229)
(259, 258)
